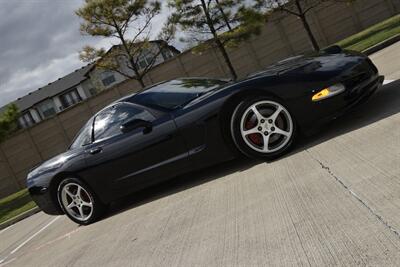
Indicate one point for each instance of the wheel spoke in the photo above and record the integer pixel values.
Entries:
(276, 113)
(281, 132)
(81, 211)
(250, 131)
(71, 205)
(68, 192)
(87, 204)
(257, 113)
(266, 143)
(78, 192)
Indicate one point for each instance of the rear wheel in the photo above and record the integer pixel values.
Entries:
(79, 202)
(263, 128)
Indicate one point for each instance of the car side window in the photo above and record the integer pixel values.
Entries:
(84, 136)
(107, 123)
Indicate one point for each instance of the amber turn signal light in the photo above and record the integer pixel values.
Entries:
(328, 92)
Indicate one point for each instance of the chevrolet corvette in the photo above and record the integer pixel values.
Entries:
(181, 125)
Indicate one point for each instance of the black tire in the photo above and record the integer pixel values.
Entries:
(98, 208)
(243, 145)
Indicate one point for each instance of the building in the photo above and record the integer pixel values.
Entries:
(158, 50)
(53, 98)
(79, 85)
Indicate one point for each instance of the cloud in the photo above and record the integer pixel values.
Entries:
(40, 42)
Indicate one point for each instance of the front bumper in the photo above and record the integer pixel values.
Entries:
(328, 109)
(45, 200)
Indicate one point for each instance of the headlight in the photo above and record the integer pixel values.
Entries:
(328, 92)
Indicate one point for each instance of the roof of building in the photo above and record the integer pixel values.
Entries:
(160, 42)
(52, 89)
(120, 47)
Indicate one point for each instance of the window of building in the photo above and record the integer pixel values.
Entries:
(93, 91)
(107, 78)
(47, 109)
(70, 98)
(26, 120)
(145, 59)
(167, 54)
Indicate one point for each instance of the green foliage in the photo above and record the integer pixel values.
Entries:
(250, 23)
(110, 18)
(8, 121)
(117, 19)
(210, 23)
(372, 35)
(15, 204)
(90, 54)
(298, 8)
(226, 20)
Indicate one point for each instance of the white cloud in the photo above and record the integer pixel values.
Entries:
(24, 80)
(40, 41)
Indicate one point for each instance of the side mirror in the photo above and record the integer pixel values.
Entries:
(136, 124)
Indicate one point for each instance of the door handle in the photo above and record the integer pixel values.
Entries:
(96, 150)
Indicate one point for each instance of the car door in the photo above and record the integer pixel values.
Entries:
(120, 163)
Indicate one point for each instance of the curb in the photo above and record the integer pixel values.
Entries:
(382, 45)
(19, 217)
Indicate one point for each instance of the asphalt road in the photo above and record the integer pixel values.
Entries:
(335, 200)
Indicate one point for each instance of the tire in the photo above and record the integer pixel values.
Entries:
(79, 202)
(258, 120)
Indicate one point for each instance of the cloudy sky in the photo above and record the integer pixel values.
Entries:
(40, 41)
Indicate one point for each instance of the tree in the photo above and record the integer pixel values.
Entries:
(8, 121)
(241, 22)
(130, 22)
(215, 19)
(298, 8)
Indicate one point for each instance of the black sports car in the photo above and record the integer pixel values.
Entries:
(185, 124)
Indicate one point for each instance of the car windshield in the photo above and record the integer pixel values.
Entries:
(176, 93)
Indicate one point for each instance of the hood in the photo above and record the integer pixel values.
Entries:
(323, 63)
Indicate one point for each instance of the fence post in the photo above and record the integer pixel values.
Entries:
(115, 88)
(10, 170)
(284, 37)
(149, 79)
(355, 17)
(67, 140)
(391, 6)
(180, 63)
(33, 144)
(319, 28)
(89, 108)
(220, 65)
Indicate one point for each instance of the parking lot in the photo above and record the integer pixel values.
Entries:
(335, 200)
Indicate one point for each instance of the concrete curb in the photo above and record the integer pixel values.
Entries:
(382, 45)
(18, 218)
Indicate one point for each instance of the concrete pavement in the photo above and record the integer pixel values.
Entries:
(388, 61)
(335, 200)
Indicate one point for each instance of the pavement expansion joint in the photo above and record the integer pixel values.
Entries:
(353, 194)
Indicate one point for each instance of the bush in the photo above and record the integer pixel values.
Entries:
(8, 121)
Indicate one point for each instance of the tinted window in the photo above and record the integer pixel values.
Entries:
(108, 122)
(84, 137)
(175, 93)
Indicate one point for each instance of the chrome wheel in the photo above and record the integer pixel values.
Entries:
(77, 201)
(266, 126)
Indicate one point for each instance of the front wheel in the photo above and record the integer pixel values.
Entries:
(79, 202)
(263, 128)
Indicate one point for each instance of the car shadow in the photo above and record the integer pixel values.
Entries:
(384, 103)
